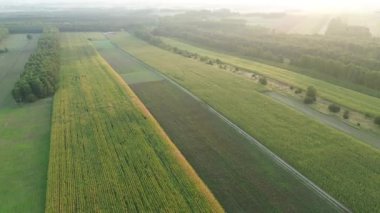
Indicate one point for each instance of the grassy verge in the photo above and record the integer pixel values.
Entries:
(107, 152)
(24, 155)
(339, 164)
(24, 135)
(346, 97)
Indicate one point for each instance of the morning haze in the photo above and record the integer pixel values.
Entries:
(189, 106)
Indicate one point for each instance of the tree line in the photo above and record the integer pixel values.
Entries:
(338, 27)
(310, 95)
(156, 41)
(40, 76)
(356, 61)
(79, 20)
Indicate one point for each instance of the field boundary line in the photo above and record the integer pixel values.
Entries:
(177, 154)
(308, 183)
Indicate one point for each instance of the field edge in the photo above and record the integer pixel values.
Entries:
(187, 168)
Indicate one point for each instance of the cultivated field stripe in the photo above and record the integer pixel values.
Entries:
(138, 88)
(340, 207)
(341, 165)
(106, 155)
(178, 155)
(133, 73)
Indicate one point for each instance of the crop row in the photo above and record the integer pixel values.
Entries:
(339, 164)
(106, 155)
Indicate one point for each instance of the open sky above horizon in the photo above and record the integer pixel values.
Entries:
(320, 5)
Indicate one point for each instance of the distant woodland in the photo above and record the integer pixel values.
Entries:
(346, 53)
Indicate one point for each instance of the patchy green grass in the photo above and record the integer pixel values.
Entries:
(107, 152)
(345, 97)
(24, 154)
(344, 167)
(24, 136)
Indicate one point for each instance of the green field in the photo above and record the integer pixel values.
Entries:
(345, 97)
(12, 64)
(344, 167)
(241, 176)
(107, 152)
(24, 136)
(135, 73)
(24, 154)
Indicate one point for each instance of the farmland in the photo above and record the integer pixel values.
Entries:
(24, 135)
(349, 98)
(107, 152)
(12, 64)
(240, 174)
(24, 154)
(209, 106)
(328, 119)
(341, 165)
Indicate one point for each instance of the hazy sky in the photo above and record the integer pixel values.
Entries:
(270, 4)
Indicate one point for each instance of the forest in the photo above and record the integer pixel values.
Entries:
(352, 59)
(338, 27)
(78, 20)
(40, 75)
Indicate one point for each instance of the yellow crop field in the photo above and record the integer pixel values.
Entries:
(107, 152)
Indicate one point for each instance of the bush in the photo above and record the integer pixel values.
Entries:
(346, 114)
(368, 115)
(377, 120)
(263, 81)
(4, 50)
(334, 108)
(298, 91)
(31, 98)
(311, 92)
(308, 100)
(204, 58)
(311, 95)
